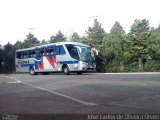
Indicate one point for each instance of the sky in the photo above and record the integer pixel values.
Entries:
(47, 17)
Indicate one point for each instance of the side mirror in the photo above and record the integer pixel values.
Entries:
(95, 51)
(79, 48)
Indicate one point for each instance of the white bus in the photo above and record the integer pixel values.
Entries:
(63, 57)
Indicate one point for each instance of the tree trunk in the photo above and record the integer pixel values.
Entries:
(141, 64)
(121, 67)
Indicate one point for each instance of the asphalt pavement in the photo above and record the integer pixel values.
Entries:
(90, 93)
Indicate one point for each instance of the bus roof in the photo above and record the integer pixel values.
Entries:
(58, 43)
(24, 49)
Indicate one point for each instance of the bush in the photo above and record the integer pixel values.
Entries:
(131, 67)
(152, 66)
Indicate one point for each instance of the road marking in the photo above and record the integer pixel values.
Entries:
(53, 92)
(17, 81)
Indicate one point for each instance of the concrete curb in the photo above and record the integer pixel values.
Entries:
(131, 73)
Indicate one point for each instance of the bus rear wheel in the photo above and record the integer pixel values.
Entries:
(32, 71)
(66, 70)
(46, 73)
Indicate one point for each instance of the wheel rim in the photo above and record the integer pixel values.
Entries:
(32, 71)
(65, 70)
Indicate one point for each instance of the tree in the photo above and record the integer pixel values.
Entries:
(31, 41)
(52, 39)
(113, 48)
(9, 57)
(8, 47)
(59, 37)
(117, 29)
(75, 37)
(43, 42)
(95, 35)
(18, 45)
(155, 44)
(139, 40)
(2, 54)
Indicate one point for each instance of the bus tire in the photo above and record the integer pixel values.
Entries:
(66, 70)
(46, 73)
(79, 73)
(32, 71)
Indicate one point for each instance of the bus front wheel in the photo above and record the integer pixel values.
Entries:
(79, 73)
(66, 70)
(32, 71)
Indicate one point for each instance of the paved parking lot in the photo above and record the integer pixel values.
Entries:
(80, 94)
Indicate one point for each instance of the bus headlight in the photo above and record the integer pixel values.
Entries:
(84, 64)
(75, 66)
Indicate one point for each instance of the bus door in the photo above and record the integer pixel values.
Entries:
(40, 52)
(49, 60)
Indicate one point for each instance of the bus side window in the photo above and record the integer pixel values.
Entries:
(22, 55)
(33, 53)
(60, 50)
(30, 54)
(18, 55)
(42, 52)
(57, 50)
(47, 52)
(26, 54)
(52, 51)
(37, 53)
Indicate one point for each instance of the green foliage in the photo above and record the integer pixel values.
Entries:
(131, 67)
(2, 54)
(139, 37)
(75, 37)
(152, 66)
(43, 42)
(118, 51)
(8, 48)
(59, 37)
(154, 45)
(9, 58)
(94, 38)
(95, 35)
(113, 48)
(18, 45)
(31, 41)
(84, 40)
(8, 52)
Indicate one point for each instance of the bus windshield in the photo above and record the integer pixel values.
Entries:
(86, 54)
(81, 53)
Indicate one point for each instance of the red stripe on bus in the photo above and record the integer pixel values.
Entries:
(40, 65)
(51, 61)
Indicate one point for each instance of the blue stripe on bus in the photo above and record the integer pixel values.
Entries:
(24, 65)
(62, 62)
(68, 62)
